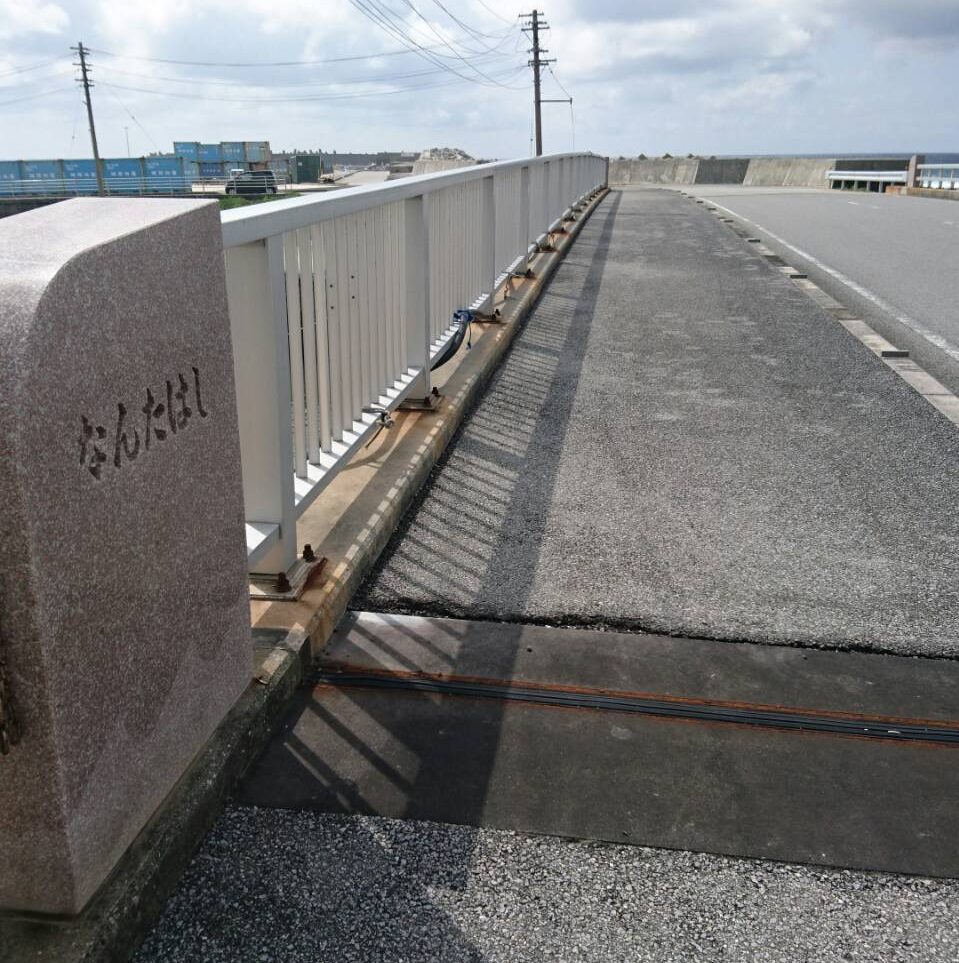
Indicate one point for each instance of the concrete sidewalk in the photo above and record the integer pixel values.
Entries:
(681, 441)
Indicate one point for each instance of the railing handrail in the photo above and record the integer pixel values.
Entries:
(866, 175)
(246, 225)
(938, 167)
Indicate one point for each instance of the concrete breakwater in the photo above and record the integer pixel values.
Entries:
(751, 171)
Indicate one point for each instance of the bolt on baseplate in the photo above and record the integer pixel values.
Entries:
(9, 728)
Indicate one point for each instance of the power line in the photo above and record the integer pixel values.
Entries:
(131, 116)
(470, 30)
(259, 64)
(296, 83)
(42, 93)
(23, 70)
(486, 6)
(381, 17)
(468, 63)
(281, 100)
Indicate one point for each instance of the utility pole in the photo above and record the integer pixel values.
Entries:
(536, 24)
(82, 52)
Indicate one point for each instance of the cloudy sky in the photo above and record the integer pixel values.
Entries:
(701, 76)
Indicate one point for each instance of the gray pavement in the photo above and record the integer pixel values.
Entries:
(682, 442)
(283, 887)
(679, 440)
(892, 258)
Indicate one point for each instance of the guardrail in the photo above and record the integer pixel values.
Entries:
(939, 176)
(135, 186)
(340, 304)
(871, 180)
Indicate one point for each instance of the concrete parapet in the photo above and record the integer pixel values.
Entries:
(124, 620)
(662, 170)
(788, 172)
(751, 172)
(722, 170)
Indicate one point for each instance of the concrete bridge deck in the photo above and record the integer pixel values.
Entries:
(680, 442)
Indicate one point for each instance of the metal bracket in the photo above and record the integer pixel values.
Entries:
(430, 403)
(287, 586)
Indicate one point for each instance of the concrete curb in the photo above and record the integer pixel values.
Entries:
(120, 916)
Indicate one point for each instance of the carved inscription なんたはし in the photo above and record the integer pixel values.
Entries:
(161, 417)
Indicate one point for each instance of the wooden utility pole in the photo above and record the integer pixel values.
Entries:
(82, 52)
(536, 24)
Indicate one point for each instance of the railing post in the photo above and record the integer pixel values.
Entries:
(524, 215)
(416, 292)
(487, 245)
(261, 357)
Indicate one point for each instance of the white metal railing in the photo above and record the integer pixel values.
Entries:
(871, 177)
(339, 303)
(939, 176)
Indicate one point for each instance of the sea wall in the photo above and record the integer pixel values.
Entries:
(666, 170)
(751, 171)
(788, 171)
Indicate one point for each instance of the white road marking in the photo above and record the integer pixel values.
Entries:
(941, 343)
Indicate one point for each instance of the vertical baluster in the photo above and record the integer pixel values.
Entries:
(321, 341)
(364, 280)
(295, 338)
(416, 307)
(340, 315)
(308, 312)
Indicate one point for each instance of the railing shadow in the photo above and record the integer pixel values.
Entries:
(477, 526)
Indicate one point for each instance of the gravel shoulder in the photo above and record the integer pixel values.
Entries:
(274, 885)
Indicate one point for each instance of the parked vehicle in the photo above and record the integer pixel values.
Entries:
(252, 182)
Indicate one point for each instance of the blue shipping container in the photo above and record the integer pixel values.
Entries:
(210, 152)
(187, 149)
(81, 175)
(47, 170)
(9, 171)
(191, 168)
(164, 166)
(233, 150)
(211, 169)
(257, 150)
(123, 174)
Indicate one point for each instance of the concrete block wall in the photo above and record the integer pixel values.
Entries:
(669, 170)
(788, 171)
(751, 171)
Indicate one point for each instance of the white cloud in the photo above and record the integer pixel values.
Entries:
(19, 18)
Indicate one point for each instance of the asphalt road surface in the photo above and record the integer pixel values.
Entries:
(681, 441)
(893, 259)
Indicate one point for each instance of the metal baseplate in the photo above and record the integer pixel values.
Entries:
(430, 403)
(287, 586)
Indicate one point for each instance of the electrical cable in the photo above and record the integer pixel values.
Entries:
(278, 100)
(259, 84)
(23, 70)
(375, 14)
(486, 6)
(130, 114)
(468, 63)
(255, 64)
(42, 93)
